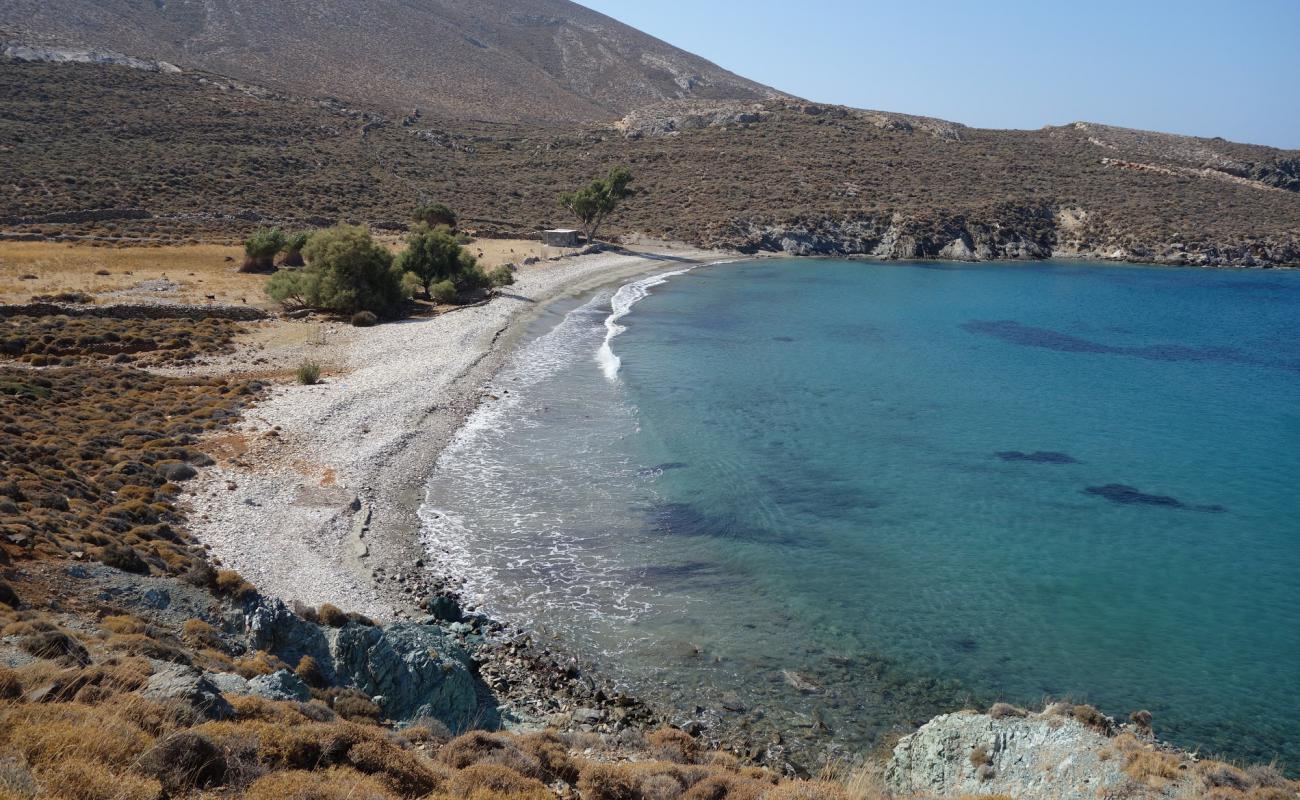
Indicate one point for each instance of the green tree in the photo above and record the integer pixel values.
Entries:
(435, 214)
(434, 255)
(346, 271)
(293, 245)
(260, 250)
(593, 203)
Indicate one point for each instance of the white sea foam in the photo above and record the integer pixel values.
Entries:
(627, 296)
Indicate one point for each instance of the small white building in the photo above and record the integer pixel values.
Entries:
(561, 237)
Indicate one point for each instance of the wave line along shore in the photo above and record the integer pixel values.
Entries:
(316, 497)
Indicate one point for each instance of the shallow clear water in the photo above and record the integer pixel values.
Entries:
(831, 497)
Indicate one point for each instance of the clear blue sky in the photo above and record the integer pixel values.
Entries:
(1201, 67)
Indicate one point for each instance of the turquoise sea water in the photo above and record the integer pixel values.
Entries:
(833, 497)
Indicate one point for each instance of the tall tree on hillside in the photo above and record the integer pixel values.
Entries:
(593, 203)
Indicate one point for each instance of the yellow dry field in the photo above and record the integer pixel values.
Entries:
(184, 273)
(199, 273)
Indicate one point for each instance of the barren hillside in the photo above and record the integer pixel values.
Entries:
(535, 60)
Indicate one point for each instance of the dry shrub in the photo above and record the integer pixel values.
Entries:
(79, 779)
(260, 709)
(126, 623)
(1092, 718)
(495, 782)
(1152, 767)
(156, 718)
(258, 663)
(1004, 710)
(478, 747)
(552, 753)
(185, 761)
(356, 707)
(51, 733)
(724, 786)
(331, 615)
(309, 671)
(599, 781)
(27, 624)
(867, 782)
(807, 790)
(402, 771)
(1268, 775)
(11, 687)
(201, 634)
(672, 744)
(137, 644)
(338, 783)
(231, 584)
(428, 730)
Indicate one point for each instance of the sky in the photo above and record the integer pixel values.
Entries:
(1199, 67)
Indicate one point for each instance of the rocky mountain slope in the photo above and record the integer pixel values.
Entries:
(535, 60)
(112, 152)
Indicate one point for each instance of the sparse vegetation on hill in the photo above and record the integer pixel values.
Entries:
(798, 168)
(541, 60)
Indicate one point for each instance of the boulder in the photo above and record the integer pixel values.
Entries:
(228, 682)
(1038, 757)
(176, 471)
(273, 627)
(417, 670)
(443, 608)
(188, 685)
(279, 685)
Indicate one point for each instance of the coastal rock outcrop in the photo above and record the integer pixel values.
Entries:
(1004, 233)
(413, 670)
(1048, 756)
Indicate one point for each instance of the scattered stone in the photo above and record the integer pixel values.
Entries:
(179, 682)
(228, 682)
(280, 685)
(177, 471)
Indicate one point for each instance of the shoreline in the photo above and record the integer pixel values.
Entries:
(312, 501)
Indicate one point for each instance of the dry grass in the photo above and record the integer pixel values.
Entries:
(200, 270)
(126, 274)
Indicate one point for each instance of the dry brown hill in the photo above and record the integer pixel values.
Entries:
(107, 151)
(534, 60)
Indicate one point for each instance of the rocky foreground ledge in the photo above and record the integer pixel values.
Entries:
(1065, 752)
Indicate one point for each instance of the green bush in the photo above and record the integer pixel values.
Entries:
(501, 276)
(411, 285)
(260, 250)
(308, 373)
(434, 255)
(293, 245)
(435, 214)
(346, 271)
(443, 292)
